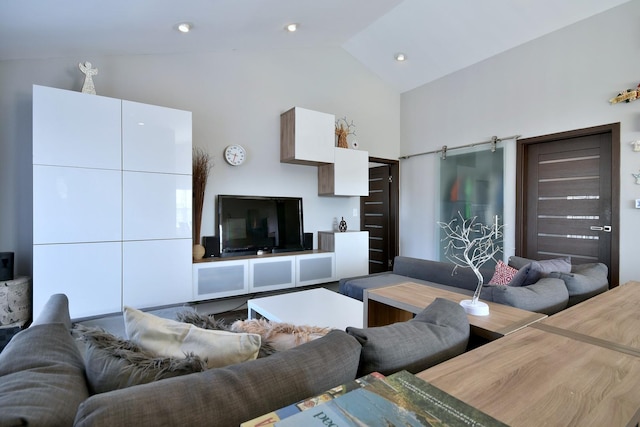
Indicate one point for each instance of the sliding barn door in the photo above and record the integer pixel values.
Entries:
(472, 185)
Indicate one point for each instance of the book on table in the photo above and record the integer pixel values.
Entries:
(401, 399)
(268, 420)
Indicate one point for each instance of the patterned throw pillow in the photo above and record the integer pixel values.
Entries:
(503, 274)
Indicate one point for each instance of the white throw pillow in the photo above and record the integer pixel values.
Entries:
(169, 338)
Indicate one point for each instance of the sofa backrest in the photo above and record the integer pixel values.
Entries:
(229, 396)
(439, 272)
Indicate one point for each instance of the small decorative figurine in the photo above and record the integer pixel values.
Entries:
(343, 225)
(627, 95)
(637, 177)
(89, 72)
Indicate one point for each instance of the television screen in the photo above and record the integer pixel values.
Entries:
(247, 224)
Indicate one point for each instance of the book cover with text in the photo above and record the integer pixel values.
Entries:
(401, 399)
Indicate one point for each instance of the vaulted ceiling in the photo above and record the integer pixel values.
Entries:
(438, 37)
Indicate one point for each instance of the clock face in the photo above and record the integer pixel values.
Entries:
(235, 155)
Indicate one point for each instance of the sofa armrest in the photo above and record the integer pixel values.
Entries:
(42, 379)
(584, 281)
(344, 288)
(438, 333)
(229, 396)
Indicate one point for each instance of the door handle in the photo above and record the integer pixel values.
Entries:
(606, 228)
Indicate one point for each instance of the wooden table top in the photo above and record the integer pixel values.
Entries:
(534, 378)
(502, 319)
(610, 319)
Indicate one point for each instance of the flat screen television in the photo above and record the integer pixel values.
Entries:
(248, 224)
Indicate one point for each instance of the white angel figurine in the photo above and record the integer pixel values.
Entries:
(89, 72)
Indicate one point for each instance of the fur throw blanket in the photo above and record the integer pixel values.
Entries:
(275, 336)
(112, 362)
(281, 336)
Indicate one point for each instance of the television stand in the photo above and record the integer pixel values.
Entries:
(233, 276)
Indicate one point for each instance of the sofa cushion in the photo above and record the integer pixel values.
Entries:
(41, 377)
(231, 395)
(503, 274)
(439, 332)
(584, 281)
(546, 296)
(112, 362)
(169, 338)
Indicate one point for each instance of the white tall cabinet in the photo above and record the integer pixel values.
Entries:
(111, 202)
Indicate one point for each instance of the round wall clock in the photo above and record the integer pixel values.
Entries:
(235, 155)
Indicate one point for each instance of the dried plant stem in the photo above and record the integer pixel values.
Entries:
(471, 244)
(202, 164)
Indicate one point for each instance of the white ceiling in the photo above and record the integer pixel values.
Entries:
(438, 36)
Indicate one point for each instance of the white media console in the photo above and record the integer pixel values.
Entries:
(225, 277)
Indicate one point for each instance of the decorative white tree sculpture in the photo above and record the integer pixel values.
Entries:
(469, 245)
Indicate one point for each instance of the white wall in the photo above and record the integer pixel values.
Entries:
(235, 97)
(556, 83)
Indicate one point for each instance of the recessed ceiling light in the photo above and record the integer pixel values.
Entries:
(400, 56)
(291, 27)
(185, 27)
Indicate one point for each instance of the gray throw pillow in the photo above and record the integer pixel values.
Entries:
(113, 363)
(546, 266)
(438, 333)
(527, 275)
(562, 265)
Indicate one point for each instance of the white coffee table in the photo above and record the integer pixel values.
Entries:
(314, 307)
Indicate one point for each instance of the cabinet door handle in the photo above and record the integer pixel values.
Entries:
(606, 228)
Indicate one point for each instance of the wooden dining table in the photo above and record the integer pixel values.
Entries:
(579, 367)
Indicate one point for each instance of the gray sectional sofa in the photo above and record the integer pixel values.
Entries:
(43, 380)
(548, 294)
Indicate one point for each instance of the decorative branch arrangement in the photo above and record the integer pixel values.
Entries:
(470, 244)
(344, 129)
(202, 165)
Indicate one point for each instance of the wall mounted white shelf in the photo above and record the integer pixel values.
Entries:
(306, 137)
(347, 176)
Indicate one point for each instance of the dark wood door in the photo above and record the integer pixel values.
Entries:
(568, 197)
(379, 216)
